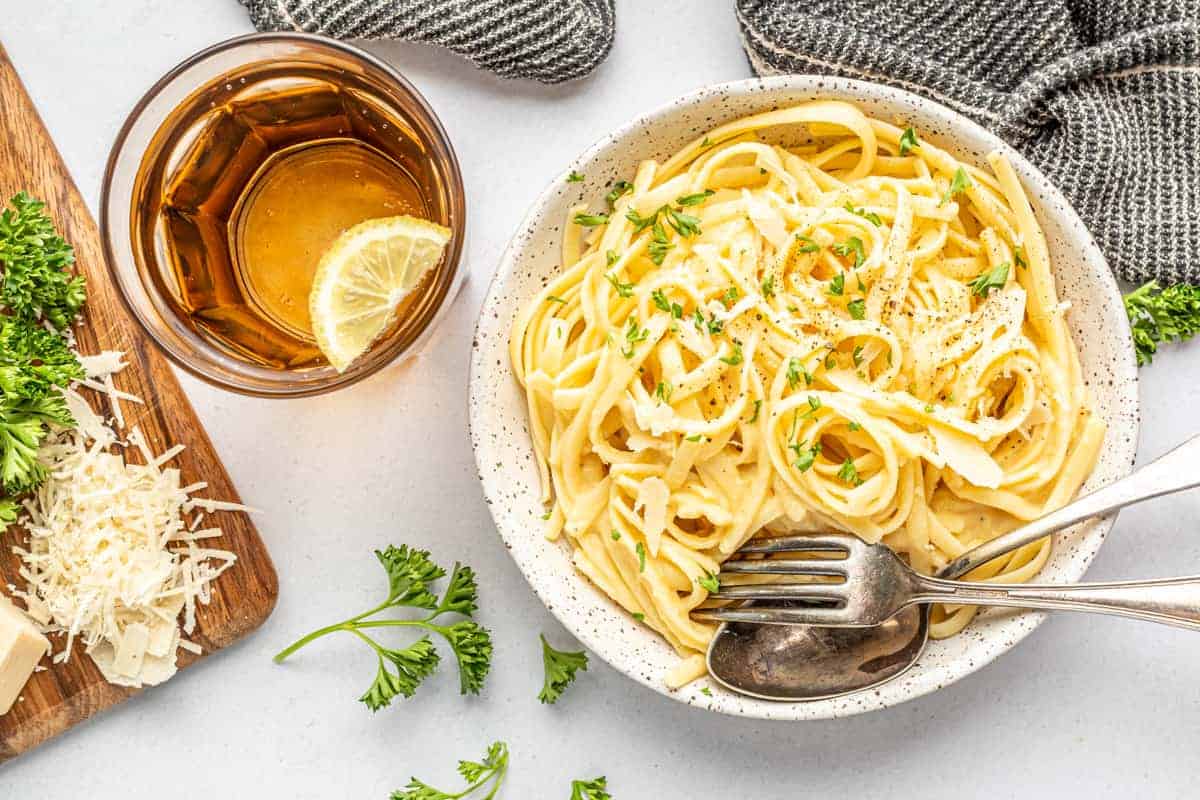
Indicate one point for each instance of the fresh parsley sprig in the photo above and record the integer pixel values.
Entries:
(36, 287)
(1158, 315)
(559, 667)
(37, 281)
(595, 789)
(480, 775)
(410, 573)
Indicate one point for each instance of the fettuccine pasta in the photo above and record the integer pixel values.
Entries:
(849, 329)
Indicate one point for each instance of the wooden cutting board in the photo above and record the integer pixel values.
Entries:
(66, 694)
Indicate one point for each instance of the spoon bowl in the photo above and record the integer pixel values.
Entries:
(805, 662)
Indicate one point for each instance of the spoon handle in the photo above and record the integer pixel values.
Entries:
(1177, 470)
(1171, 601)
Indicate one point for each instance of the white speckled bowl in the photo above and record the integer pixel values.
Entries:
(504, 454)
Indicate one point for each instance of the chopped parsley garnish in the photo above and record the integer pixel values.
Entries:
(736, 358)
(713, 325)
(638, 616)
(640, 223)
(1158, 315)
(1019, 256)
(869, 216)
(616, 535)
(837, 285)
(814, 403)
(400, 671)
(575, 177)
(849, 473)
(908, 141)
(990, 279)
(928, 408)
(695, 438)
(623, 289)
(757, 408)
(553, 298)
(559, 667)
(808, 245)
(794, 371)
(854, 426)
(663, 391)
(663, 304)
(640, 549)
(857, 308)
(768, 286)
(694, 199)
(659, 246)
(704, 690)
(619, 190)
(857, 356)
(730, 297)
(610, 257)
(684, 224)
(830, 361)
(591, 220)
(633, 336)
(960, 184)
(805, 456)
(854, 246)
(709, 583)
(478, 775)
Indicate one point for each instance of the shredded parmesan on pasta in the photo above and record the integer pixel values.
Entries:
(833, 335)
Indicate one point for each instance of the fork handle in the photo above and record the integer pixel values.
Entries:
(1174, 472)
(1171, 601)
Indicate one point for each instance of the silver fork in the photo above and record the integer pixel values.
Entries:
(875, 584)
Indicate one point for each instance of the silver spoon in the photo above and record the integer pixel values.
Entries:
(804, 662)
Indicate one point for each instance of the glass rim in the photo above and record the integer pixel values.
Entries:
(206, 366)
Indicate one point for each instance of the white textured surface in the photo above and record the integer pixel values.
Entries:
(1086, 707)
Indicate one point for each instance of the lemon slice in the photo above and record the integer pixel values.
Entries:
(363, 277)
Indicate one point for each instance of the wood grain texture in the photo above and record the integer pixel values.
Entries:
(245, 595)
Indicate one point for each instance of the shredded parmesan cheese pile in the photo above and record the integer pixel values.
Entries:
(110, 559)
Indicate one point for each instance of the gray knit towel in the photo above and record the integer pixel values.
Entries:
(547, 40)
(1102, 95)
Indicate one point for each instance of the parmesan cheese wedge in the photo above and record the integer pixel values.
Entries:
(21, 647)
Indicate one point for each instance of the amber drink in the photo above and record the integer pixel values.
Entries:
(248, 181)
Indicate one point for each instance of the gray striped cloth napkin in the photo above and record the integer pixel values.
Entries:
(547, 40)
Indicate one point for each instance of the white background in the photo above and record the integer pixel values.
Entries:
(1085, 707)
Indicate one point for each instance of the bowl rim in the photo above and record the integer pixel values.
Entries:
(723, 700)
(456, 191)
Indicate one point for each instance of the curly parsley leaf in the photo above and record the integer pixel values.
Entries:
(23, 426)
(487, 774)
(1158, 315)
(908, 141)
(33, 360)
(560, 667)
(37, 282)
(400, 671)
